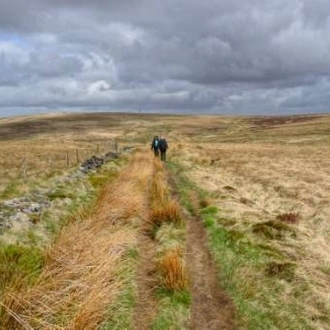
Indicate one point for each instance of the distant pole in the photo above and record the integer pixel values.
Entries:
(77, 156)
(67, 159)
(24, 168)
(116, 147)
(50, 165)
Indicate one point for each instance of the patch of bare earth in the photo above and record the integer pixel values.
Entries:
(145, 310)
(211, 307)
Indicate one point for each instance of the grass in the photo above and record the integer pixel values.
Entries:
(263, 195)
(30, 265)
(174, 273)
(119, 314)
(257, 276)
(254, 280)
(168, 230)
(174, 310)
(19, 263)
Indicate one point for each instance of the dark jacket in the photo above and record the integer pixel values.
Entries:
(163, 144)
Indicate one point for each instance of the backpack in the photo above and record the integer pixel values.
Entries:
(156, 143)
(162, 144)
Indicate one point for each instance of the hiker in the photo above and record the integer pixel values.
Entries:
(155, 145)
(163, 146)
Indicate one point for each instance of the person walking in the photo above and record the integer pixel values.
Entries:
(155, 146)
(163, 146)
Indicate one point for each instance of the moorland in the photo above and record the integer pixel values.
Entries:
(231, 232)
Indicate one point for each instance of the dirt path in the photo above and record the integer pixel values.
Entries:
(146, 307)
(146, 280)
(211, 307)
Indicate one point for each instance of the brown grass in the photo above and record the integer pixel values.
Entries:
(81, 278)
(169, 212)
(174, 273)
(289, 217)
(272, 168)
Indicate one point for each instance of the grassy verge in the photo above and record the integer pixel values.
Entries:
(168, 229)
(261, 281)
(119, 314)
(22, 262)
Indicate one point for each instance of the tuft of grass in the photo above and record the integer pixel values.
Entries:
(289, 217)
(282, 270)
(273, 229)
(11, 190)
(174, 273)
(212, 210)
(19, 264)
(169, 212)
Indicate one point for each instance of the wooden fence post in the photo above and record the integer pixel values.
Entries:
(67, 159)
(77, 156)
(50, 165)
(24, 168)
(116, 147)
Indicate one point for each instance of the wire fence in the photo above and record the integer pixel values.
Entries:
(40, 165)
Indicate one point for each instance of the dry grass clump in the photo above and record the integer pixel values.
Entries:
(175, 275)
(162, 209)
(77, 285)
(289, 217)
(159, 190)
(169, 212)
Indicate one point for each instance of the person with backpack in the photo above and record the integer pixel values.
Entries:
(155, 146)
(163, 146)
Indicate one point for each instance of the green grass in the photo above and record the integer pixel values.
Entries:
(120, 313)
(186, 188)
(255, 278)
(174, 310)
(19, 263)
(253, 272)
(11, 190)
(174, 300)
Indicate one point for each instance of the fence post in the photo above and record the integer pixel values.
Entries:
(24, 168)
(67, 159)
(50, 165)
(77, 156)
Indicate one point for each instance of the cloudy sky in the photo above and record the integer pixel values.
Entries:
(213, 56)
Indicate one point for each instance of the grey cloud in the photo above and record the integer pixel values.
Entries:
(218, 56)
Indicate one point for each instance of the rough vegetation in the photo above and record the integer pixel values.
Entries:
(237, 236)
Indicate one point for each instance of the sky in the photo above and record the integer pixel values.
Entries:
(237, 57)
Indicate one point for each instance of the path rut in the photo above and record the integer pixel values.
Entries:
(211, 307)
